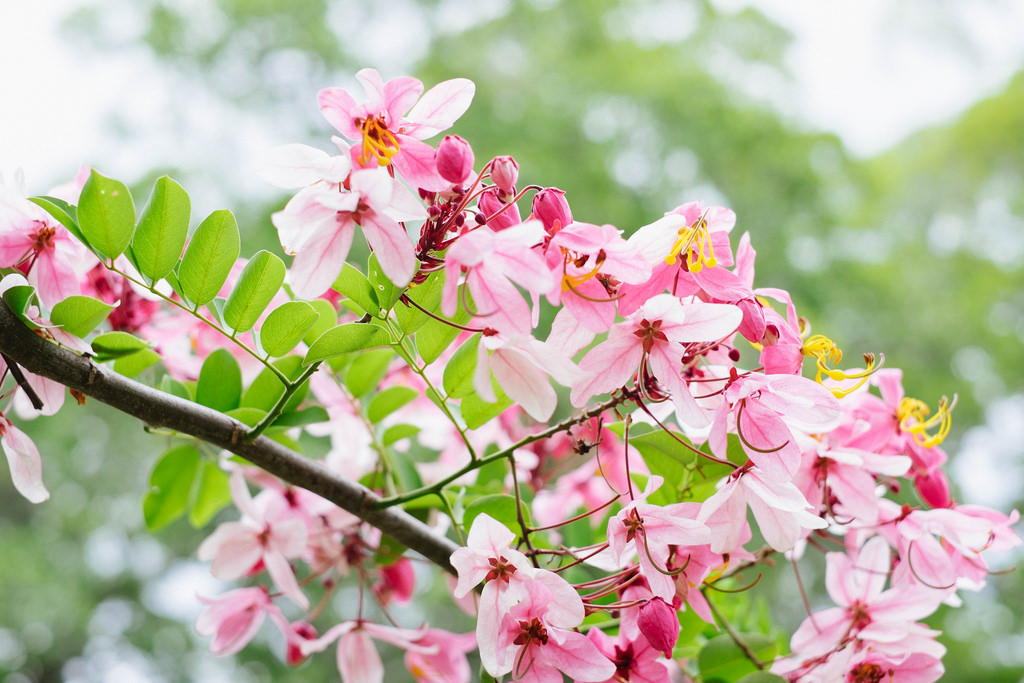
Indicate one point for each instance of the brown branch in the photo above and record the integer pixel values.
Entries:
(160, 409)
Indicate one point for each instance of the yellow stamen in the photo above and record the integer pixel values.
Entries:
(695, 240)
(573, 281)
(825, 352)
(378, 141)
(912, 415)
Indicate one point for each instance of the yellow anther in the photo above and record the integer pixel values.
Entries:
(912, 415)
(695, 240)
(378, 141)
(826, 353)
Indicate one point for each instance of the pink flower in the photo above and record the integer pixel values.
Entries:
(357, 657)
(233, 618)
(389, 132)
(23, 459)
(635, 659)
(659, 622)
(505, 173)
(535, 643)
(33, 241)
(448, 664)
(493, 261)
(653, 342)
(235, 548)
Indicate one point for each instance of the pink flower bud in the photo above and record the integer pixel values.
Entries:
(659, 624)
(301, 631)
(550, 207)
(505, 173)
(397, 582)
(489, 205)
(934, 489)
(454, 159)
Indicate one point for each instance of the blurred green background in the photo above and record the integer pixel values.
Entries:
(632, 107)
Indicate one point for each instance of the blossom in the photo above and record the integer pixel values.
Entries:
(390, 124)
(635, 660)
(234, 618)
(653, 341)
(24, 462)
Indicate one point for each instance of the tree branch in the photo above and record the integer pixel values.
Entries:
(159, 409)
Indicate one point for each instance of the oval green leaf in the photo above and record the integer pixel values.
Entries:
(162, 230)
(354, 285)
(170, 487)
(220, 382)
(388, 401)
(211, 494)
(458, 374)
(116, 345)
(79, 315)
(286, 325)
(722, 659)
(209, 257)
(106, 215)
(254, 290)
(346, 339)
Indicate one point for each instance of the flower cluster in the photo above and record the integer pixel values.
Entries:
(692, 411)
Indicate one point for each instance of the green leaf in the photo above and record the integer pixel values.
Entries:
(502, 507)
(458, 373)
(211, 494)
(300, 418)
(255, 289)
(367, 371)
(134, 363)
(677, 464)
(65, 213)
(117, 344)
(435, 336)
(79, 315)
(722, 659)
(175, 388)
(346, 339)
(267, 389)
(170, 487)
(386, 292)
(354, 285)
(428, 295)
(250, 417)
(328, 319)
(388, 401)
(397, 433)
(762, 677)
(106, 215)
(286, 326)
(478, 412)
(162, 230)
(220, 381)
(18, 298)
(211, 253)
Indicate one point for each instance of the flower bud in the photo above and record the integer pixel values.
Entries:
(454, 159)
(551, 208)
(659, 624)
(397, 582)
(489, 205)
(934, 489)
(505, 173)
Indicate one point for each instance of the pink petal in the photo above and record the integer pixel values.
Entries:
(339, 108)
(392, 246)
(440, 107)
(415, 164)
(319, 263)
(358, 661)
(23, 459)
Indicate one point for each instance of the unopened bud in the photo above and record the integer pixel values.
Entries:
(934, 489)
(454, 159)
(499, 215)
(505, 173)
(551, 208)
(659, 624)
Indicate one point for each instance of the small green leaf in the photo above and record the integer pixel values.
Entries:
(18, 298)
(354, 285)
(211, 494)
(65, 213)
(175, 388)
(458, 373)
(435, 336)
(253, 291)
(328, 319)
(162, 230)
(250, 417)
(478, 412)
(117, 344)
(300, 418)
(134, 363)
(286, 326)
(79, 315)
(397, 433)
(267, 389)
(428, 295)
(502, 507)
(170, 487)
(106, 215)
(367, 371)
(386, 292)
(762, 677)
(220, 381)
(722, 659)
(346, 339)
(388, 401)
(211, 253)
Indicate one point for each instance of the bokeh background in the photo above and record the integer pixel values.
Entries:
(874, 150)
